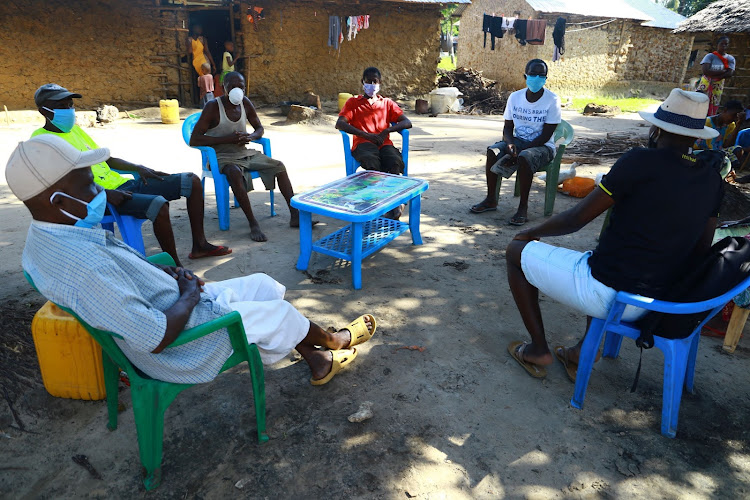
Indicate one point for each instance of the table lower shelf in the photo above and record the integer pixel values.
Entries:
(376, 234)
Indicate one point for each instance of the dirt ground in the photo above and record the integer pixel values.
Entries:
(459, 419)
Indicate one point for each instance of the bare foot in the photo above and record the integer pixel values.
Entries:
(320, 362)
(255, 233)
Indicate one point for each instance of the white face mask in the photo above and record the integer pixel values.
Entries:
(236, 95)
(371, 89)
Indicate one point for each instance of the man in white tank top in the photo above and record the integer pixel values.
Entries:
(223, 126)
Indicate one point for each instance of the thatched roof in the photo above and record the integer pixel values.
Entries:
(724, 16)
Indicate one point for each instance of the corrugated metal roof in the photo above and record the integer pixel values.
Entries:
(662, 17)
(430, 1)
(652, 13)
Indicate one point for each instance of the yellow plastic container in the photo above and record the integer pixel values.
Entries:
(343, 97)
(69, 358)
(170, 110)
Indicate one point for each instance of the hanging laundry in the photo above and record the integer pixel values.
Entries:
(334, 31)
(556, 54)
(558, 35)
(486, 24)
(367, 22)
(508, 23)
(520, 27)
(535, 31)
(496, 29)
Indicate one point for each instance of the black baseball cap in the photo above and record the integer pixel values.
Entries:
(52, 92)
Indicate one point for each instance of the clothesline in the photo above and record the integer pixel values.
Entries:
(591, 27)
(602, 23)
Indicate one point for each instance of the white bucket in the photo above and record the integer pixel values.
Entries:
(445, 99)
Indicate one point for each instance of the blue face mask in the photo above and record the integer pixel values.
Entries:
(64, 119)
(371, 89)
(94, 209)
(535, 83)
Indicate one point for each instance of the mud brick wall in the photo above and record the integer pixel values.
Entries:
(615, 58)
(737, 87)
(289, 53)
(100, 48)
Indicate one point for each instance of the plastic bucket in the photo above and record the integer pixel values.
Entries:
(440, 103)
(343, 97)
(170, 110)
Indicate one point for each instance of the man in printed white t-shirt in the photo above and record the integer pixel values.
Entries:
(531, 116)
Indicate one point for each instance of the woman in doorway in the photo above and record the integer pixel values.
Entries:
(716, 66)
(198, 48)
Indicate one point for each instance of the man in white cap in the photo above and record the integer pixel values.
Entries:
(665, 202)
(77, 264)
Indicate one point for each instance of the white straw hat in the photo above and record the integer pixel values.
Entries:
(683, 113)
(43, 160)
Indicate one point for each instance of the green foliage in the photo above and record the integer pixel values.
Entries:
(626, 104)
(445, 23)
(685, 7)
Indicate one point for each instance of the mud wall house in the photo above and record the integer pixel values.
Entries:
(134, 52)
(708, 25)
(611, 47)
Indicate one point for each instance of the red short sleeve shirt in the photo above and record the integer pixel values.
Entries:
(370, 117)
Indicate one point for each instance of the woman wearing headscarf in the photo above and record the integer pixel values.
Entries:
(716, 66)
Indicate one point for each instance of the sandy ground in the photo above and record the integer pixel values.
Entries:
(459, 419)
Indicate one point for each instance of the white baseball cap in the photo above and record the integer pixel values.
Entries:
(43, 160)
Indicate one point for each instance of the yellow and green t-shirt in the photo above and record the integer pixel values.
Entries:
(103, 175)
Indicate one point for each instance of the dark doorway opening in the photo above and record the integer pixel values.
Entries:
(217, 29)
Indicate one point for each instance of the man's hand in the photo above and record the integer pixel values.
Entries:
(525, 236)
(374, 138)
(241, 138)
(384, 134)
(190, 286)
(174, 272)
(512, 150)
(146, 173)
(117, 198)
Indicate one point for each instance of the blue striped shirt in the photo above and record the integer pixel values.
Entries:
(113, 288)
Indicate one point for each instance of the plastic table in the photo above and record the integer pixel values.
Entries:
(360, 199)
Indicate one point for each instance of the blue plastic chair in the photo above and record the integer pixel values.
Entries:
(130, 227)
(210, 169)
(352, 165)
(679, 354)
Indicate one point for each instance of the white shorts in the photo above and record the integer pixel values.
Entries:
(270, 322)
(565, 275)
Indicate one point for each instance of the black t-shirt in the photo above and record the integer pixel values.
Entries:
(663, 201)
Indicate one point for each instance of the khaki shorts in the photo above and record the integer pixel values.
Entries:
(267, 169)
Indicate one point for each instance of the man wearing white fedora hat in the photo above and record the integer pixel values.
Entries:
(665, 202)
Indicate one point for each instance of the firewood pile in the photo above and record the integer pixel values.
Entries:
(481, 95)
(593, 151)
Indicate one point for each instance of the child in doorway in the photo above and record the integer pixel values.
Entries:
(206, 84)
(227, 60)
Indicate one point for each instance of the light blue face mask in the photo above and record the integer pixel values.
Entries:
(371, 89)
(94, 209)
(535, 83)
(64, 119)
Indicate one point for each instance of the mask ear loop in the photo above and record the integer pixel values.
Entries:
(64, 211)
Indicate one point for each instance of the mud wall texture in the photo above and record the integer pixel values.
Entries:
(288, 55)
(615, 58)
(737, 87)
(100, 48)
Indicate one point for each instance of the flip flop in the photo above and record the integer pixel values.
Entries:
(516, 351)
(358, 330)
(561, 353)
(216, 252)
(481, 208)
(341, 358)
(517, 220)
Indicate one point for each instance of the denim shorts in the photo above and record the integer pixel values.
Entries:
(565, 276)
(150, 196)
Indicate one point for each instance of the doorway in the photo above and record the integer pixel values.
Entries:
(217, 29)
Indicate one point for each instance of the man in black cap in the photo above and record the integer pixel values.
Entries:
(145, 197)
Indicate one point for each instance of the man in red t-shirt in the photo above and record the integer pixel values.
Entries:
(368, 118)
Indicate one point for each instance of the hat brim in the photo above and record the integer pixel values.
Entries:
(63, 95)
(92, 157)
(704, 133)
